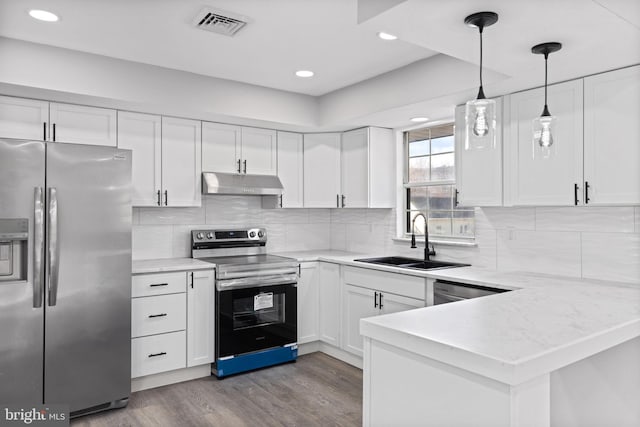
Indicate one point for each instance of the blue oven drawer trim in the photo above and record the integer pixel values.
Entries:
(259, 359)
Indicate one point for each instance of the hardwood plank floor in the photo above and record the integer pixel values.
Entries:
(317, 390)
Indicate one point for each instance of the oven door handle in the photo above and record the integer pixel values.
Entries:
(256, 282)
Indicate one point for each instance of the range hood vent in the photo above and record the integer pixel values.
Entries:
(231, 183)
(219, 21)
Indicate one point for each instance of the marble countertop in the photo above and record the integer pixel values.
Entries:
(164, 265)
(543, 324)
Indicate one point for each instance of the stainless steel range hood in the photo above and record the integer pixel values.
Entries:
(231, 183)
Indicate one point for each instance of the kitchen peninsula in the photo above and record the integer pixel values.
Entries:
(554, 352)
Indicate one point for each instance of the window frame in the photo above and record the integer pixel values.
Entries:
(405, 211)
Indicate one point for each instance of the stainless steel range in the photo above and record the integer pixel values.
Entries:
(256, 299)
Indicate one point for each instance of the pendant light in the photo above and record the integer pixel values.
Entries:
(480, 113)
(544, 127)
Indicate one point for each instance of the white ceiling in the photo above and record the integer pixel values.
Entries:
(348, 58)
(284, 36)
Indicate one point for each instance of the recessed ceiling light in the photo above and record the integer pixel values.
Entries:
(304, 73)
(43, 15)
(419, 119)
(386, 36)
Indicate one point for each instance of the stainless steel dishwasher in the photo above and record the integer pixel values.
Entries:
(445, 291)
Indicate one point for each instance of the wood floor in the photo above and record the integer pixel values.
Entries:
(317, 390)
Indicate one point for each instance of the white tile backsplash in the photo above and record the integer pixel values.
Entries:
(611, 256)
(590, 242)
(542, 252)
(592, 218)
(152, 241)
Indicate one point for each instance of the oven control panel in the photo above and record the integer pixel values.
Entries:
(236, 235)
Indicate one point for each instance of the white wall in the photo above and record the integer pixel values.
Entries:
(146, 88)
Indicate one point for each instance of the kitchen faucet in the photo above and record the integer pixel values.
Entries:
(427, 252)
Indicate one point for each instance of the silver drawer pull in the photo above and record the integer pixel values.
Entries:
(157, 315)
(159, 284)
(158, 354)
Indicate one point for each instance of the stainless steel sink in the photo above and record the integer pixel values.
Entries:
(413, 263)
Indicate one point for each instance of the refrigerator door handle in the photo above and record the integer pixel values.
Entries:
(54, 260)
(38, 245)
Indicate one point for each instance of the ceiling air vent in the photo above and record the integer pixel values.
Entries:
(219, 21)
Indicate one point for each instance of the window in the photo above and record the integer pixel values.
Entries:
(430, 185)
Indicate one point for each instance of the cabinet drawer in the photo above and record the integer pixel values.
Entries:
(158, 314)
(399, 284)
(158, 284)
(158, 353)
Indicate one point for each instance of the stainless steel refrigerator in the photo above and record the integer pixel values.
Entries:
(65, 275)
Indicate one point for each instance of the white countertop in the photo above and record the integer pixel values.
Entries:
(545, 323)
(164, 265)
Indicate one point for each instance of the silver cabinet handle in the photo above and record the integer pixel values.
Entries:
(166, 197)
(281, 200)
(54, 260)
(238, 165)
(151, 316)
(245, 166)
(38, 245)
(337, 200)
(344, 198)
(159, 199)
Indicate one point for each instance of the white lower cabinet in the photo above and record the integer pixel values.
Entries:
(329, 298)
(359, 303)
(308, 294)
(201, 293)
(158, 353)
(365, 293)
(172, 321)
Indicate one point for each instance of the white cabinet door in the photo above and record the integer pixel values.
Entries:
(359, 303)
(478, 172)
(23, 118)
(221, 148)
(290, 168)
(259, 150)
(308, 304)
(141, 133)
(548, 181)
(181, 166)
(200, 317)
(612, 136)
(355, 169)
(322, 170)
(329, 290)
(392, 303)
(80, 124)
(382, 168)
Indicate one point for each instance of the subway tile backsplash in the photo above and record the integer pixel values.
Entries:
(590, 242)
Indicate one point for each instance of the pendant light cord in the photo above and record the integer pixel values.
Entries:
(546, 57)
(480, 28)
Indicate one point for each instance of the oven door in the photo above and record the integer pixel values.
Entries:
(255, 318)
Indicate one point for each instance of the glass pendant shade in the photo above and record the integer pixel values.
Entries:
(480, 120)
(544, 136)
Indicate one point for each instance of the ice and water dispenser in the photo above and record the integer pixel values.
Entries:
(14, 238)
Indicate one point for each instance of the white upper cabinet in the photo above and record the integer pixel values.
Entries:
(322, 170)
(612, 137)
(478, 172)
(23, 118)
(236, 149)
(221, 148)
(181, 162)
(363, 161)
(290, 168)
(141, 133)
(549, 181)
(79, 124)
(259, 150)
(355, 169)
